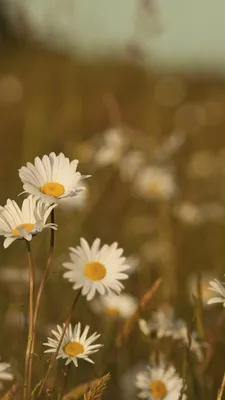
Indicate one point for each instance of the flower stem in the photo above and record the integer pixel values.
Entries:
(27, 388)
(39, 295)
(54, 356)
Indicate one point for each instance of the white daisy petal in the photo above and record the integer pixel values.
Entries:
(217, 287)
(95, 269)
(5, 374)
(24, 223)
(52, 178)
(159, 382)
(75, 344)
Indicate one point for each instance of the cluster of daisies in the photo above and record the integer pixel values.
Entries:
(92, 269)
(96, 270)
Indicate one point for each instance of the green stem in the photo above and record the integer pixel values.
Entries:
(54, 356)
(27, 388)
(39, 295)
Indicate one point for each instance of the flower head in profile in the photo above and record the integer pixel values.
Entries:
(25, 222)
(161, 324)
(159, 382)
(75, 345)
(122, 306)
(96, 269)
(5, 374)
(155, 183)
(219, 288)
(52, 178)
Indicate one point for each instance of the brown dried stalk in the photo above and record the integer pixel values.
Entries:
(96, 391)
(9, 395)
(131, 322)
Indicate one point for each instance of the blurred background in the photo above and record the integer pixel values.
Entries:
(135, 90)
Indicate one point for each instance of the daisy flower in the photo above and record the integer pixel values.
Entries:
(162, 324)
(24, 223)
(96, 269)
(155, 183)
(216, 286)
(115, 306)
(75, 345)
(52, 178)
(5, 375)
(158, 382)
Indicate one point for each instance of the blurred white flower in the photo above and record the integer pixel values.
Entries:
(131, 164)
(192, 342)
(155, 183)
(96, 269)
(162, 324)
(113, 305)
(188, 213)
(218, 287)
(112, 149)
(5, 374)
(193, 214)
(159, 382)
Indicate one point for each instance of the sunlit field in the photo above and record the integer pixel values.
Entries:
(155, 149)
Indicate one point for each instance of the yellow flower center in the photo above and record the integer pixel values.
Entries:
(27, 227)
(158, 389)
(73, 349)
(53, 189)
(112, 311)
(94, 271)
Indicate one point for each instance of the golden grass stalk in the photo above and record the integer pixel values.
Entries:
(221, 389)
(79, 390)
(96, 391)
(131, 322)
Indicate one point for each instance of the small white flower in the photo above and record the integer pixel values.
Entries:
(194, 345)
(5, 374)
(52, 178)
(24, 223)
(162, 324)
(112, 149)
(159, 382)
(113, 305)
(96, 269)
(217, 286)
(75, 345)
(188, 213)
(155, 183)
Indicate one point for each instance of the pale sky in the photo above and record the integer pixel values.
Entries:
(192, 31)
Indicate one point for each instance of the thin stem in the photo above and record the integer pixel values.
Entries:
(54, 356)
(66, 373)
(39, 294)
(27, 388)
